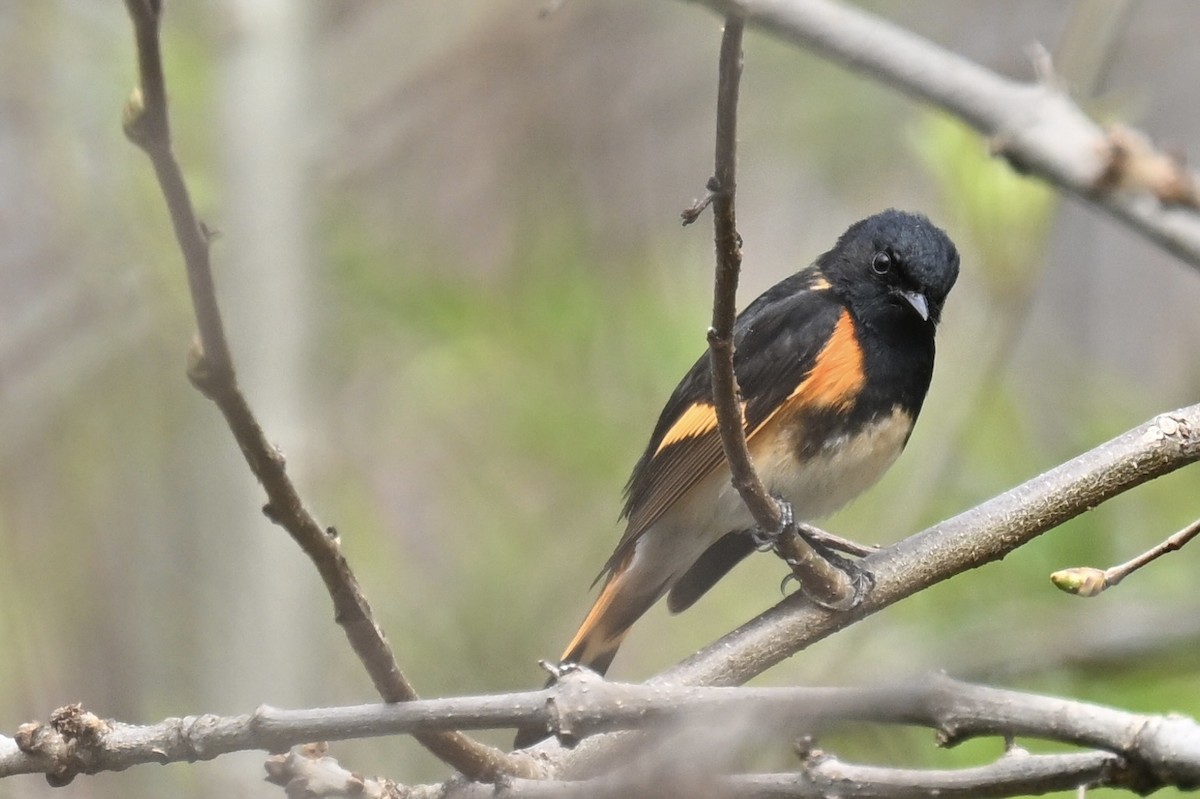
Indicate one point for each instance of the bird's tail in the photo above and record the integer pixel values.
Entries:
(622, 601)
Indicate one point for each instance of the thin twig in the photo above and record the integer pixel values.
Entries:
(1088, 581)
(211, 370)
(726, 394)
(693, 211)
(819, 579)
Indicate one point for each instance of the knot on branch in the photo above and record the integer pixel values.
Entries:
(72, 740)
(1133, 163)
(308, 770)
(1174, 426)
(1164, 750)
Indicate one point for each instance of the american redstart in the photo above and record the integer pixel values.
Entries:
(833, 364)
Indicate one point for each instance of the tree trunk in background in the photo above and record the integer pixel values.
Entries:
(264, 596)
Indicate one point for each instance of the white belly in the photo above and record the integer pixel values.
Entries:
(816, 488)
(824, 483)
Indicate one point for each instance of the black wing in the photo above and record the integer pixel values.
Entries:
(777, 340)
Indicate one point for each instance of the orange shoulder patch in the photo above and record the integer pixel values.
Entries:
(698, 419)
(837, 375)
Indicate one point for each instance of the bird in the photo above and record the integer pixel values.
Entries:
(833, 363)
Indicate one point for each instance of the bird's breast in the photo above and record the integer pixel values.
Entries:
(820, 471)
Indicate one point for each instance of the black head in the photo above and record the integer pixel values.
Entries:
(893, 267)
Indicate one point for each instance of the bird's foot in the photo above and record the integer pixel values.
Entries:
(767, 540)
(861, 581)
(826, 547)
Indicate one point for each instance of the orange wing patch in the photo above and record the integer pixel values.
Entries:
(698, 419)
(835, 380)
(837, 375)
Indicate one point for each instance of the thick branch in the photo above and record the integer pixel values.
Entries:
(985, 533)
(1035, 125)
(211, 370)
(1157, 750)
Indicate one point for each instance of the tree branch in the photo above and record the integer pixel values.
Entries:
(1157, 750)
(1015, 774)
(1034, 125)
(309, 773)
(147, 125)
(819, 579)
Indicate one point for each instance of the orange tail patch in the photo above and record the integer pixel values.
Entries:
(598, 638)
(621, 602)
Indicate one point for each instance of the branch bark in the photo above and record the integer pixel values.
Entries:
(147, 124)
(1034, 125)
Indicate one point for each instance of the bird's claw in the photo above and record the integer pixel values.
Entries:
(862, 581)
(765, 540)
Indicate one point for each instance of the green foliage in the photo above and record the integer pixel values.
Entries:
(514, 393)
(1005, 215)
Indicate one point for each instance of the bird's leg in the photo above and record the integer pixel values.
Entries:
(821, 540)
(767, 540)
(825, 545)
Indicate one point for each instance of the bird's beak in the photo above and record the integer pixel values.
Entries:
(917, 300)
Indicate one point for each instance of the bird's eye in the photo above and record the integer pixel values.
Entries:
(881, 263)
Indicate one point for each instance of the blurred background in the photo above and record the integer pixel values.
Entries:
(458, 293)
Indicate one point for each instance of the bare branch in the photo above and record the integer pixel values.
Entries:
(1088, 581)
(1015, 774)
(693, 211)
(1034, 125)
(819, 579)
(1156, 750)
(146, 122)
(147, 125)
(1010, 776)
